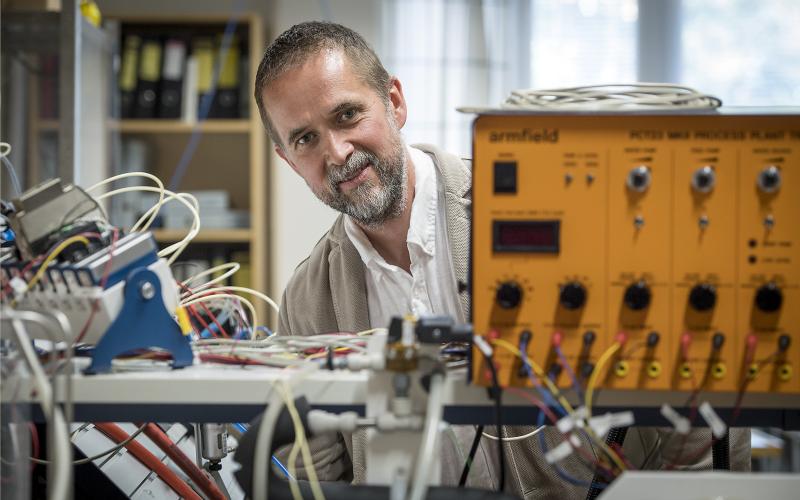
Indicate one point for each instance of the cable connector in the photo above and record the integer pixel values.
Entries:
(718, 427)
(601, 424)
(18, 287)
(392, 422)
(679, 422)
(369, 361)
(563, 450)
(570, 421)
(320, 421)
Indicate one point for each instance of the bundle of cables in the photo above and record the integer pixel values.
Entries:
(612, 97)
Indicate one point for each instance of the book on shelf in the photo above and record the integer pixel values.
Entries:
(128, 75)
(226, 97)
(172, 75)
(149, 78)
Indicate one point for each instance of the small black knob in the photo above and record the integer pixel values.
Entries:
(573, 295)
(588, 338)
(784, 341)
(637, 296)
(717, 341)
(703, 297)
(652, 339)
(509, 295)
(769, 297)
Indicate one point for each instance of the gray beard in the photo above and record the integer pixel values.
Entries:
(370, 204)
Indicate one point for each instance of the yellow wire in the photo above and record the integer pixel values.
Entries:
(560, 397)
(596, 375)
(60, 248)
(301, 444)
(539, 373)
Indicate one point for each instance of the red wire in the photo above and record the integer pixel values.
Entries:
(149, 460)
(195, 473)
(752, 342)
(550, 415)
(230, 360)
(34, 440)
(199, 318)
(207, 311)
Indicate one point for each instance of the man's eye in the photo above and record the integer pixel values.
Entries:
(347, 115)
(305, 139)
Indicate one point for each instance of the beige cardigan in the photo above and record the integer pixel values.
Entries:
(327, 293)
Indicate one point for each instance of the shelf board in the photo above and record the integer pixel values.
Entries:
(181, 127)
(164, 126)
(242, 235)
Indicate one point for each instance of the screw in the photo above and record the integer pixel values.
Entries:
(703, 222)
(147, 290)
(769, 221)
(638, 221)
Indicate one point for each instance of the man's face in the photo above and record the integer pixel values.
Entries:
(341, 137)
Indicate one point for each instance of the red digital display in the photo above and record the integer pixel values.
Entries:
(526, 236)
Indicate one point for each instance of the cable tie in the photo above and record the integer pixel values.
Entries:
(679, 422)
(484, 346)
(718, 427)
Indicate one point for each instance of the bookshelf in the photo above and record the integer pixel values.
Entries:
(230, 153)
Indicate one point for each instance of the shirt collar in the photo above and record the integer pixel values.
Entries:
(422, 227)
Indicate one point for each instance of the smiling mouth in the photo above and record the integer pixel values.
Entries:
(356, 176)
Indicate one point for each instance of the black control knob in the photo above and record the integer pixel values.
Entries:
(703, 297)
(573, 295)
(637, 296)
(769, 297)
(509, 295)
(769, 179)
(639, 179)
(703, 179)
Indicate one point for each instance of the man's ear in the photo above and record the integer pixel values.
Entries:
(398, 102)
(280, 152)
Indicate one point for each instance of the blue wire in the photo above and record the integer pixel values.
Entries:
(281, 467)
(549, 400)
(243, 428)
(571, 373)
(207, 100)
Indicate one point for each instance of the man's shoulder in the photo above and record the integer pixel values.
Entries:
(455, 172)
(443, 158)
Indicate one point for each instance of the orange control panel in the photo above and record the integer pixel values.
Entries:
(674, 236)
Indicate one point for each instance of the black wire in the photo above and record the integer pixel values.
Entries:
(475, 442)
(615, 436)
(497, 394)
(720, 452)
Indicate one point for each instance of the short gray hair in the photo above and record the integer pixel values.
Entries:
(295, 45)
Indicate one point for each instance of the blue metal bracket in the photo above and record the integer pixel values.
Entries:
(143, 322)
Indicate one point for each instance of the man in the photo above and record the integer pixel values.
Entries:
(402, 241)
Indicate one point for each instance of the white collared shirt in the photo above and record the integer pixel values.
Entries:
(431, 287)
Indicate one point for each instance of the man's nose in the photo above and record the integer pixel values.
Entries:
(339, 147)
